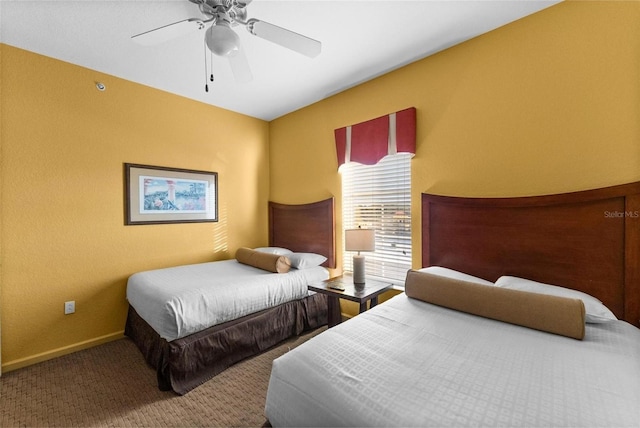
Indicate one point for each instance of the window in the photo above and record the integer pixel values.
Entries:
(379, 197)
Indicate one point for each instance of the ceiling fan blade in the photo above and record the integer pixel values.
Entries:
(240, 67)
(283, 37)
(168, 32)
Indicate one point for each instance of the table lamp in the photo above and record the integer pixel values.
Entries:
(359, 240)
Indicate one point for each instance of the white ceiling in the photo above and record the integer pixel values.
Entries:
(360, 40)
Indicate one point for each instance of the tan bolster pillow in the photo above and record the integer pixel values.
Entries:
(553, 314)
(266, 261)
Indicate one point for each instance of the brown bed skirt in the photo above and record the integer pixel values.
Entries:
(186, 363)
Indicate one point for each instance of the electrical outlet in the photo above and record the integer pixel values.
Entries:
(69, 307)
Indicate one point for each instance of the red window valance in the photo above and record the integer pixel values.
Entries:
(370, 141)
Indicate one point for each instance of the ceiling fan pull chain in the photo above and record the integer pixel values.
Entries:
(206, 85)
(210, 63)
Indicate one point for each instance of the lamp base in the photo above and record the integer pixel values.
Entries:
(358, 270)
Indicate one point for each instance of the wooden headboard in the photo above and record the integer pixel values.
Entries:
(588, 241)
(308, 228)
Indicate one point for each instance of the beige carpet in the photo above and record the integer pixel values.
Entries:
(111, 385)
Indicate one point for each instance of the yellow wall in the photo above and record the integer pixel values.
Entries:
(63, 145)
(550, 103)
(547, 104)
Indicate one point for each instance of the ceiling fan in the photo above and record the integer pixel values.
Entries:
(223, 41)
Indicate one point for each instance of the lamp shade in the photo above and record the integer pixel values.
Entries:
(222, 40)
(360, 239)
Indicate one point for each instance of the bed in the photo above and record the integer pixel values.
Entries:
(249, 310)
(444, 354)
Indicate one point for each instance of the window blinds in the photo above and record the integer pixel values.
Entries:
(379, 197)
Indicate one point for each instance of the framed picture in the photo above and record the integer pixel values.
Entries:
(157, 195)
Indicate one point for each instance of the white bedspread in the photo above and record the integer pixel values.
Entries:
(183, 300)
(410, 363)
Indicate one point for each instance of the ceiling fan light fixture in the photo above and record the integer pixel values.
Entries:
(222, 40)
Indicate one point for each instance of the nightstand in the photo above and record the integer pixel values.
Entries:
(361, 294)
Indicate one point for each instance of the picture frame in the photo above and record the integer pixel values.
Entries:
(161, 195)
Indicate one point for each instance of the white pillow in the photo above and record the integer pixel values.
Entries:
(274, 250)
(596, 312)
(305, 260)
(450, 273)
